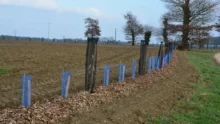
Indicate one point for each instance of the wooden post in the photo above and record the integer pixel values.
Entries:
(90, 65)
(142, 61)
(161, 56)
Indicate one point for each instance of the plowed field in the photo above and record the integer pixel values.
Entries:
(46, 61)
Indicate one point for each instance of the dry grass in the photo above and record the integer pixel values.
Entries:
(46, 61)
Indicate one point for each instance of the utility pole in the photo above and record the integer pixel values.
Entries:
(115, 33)
(14, 33)
(48, 30)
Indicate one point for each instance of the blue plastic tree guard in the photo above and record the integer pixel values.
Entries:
(153, 63)
(65, 84)
(121, 72)
(158, 62)
(149, 64)
(106, 75)
(26, 90)
(133, 70)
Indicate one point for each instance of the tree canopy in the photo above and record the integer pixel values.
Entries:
(188, 14)
(93, 28)
(132, 28)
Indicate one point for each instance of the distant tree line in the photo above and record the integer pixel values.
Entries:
(9, 37)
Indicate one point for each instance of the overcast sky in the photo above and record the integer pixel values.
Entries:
(31, 17)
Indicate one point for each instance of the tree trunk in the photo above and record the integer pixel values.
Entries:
(186, 21)
(133, 39)
(165, 35)
(133, 43)
(207, 44)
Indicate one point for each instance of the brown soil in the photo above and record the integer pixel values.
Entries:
(46, 61)
(154, 99)
(133, 101)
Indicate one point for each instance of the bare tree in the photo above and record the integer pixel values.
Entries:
(132, 28)
(190, 12)
(218, 25)
(93, 28)
(200, 35)
(165, 30)
(165, 34)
